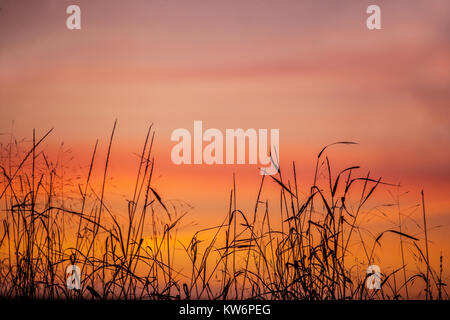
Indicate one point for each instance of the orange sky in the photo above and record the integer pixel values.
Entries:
(308, 68)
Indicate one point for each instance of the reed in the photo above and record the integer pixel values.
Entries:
(305, 254)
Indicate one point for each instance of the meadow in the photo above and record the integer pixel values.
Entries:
(304, 250)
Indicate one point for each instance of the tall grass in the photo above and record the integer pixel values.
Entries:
(303, 250)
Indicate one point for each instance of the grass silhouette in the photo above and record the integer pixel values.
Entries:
(304, 255)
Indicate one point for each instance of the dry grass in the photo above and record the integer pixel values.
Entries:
(304, 254)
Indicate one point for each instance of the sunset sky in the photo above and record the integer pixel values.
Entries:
(308, 68)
